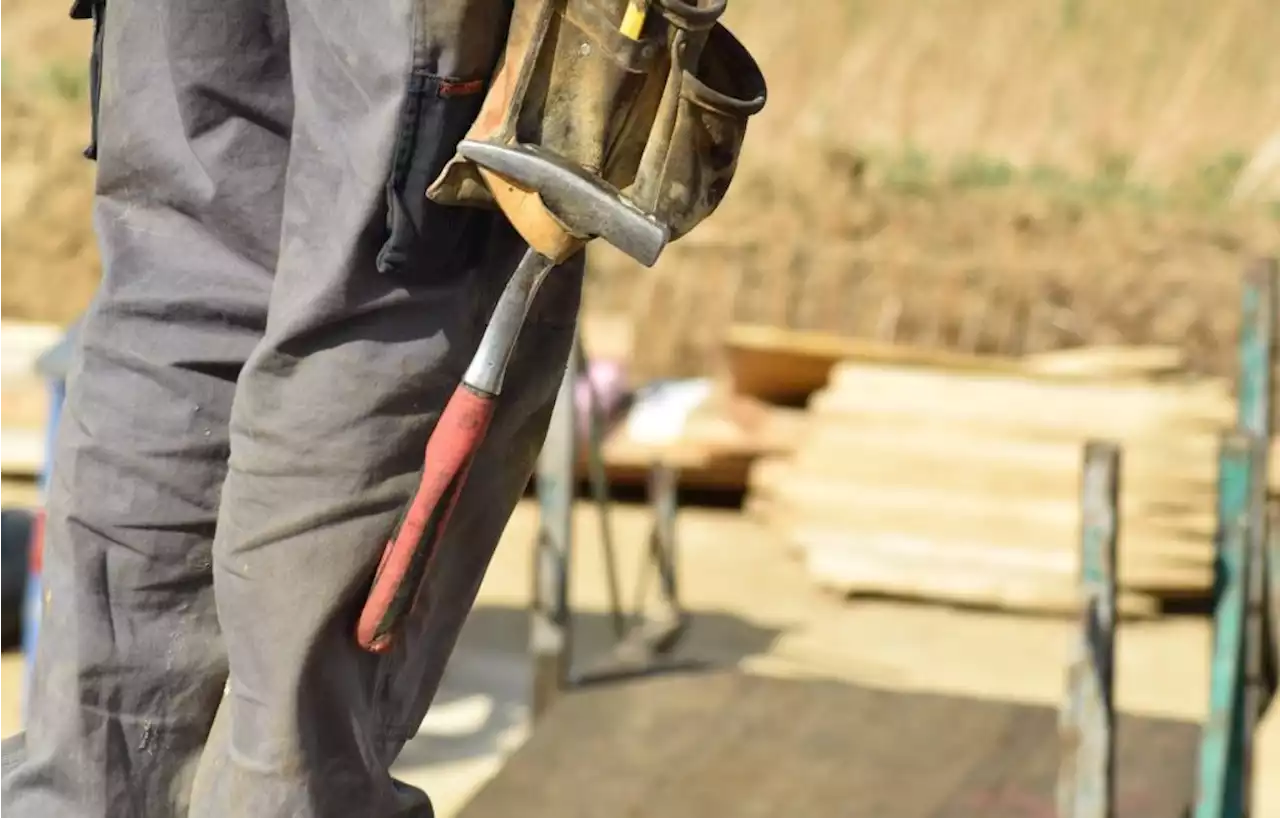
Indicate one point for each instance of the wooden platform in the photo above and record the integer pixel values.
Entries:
(728, 744)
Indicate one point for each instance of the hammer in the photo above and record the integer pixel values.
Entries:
(557, 206)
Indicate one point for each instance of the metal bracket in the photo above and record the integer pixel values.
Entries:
(643, 645)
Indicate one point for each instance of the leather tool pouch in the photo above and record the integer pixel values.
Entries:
(660, 118)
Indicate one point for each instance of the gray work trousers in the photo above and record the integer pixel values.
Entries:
(281, 319)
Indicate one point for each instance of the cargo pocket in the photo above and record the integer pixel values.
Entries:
(425, 238)
(92, 10)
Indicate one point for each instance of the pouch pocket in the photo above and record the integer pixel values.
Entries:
(424, 235)
(683, 178)
(92, 10)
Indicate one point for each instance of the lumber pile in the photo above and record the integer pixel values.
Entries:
(709, 434)
(962, 485)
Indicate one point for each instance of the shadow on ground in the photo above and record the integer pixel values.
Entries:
(482, 708)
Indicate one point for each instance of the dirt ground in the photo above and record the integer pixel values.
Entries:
(755, 609)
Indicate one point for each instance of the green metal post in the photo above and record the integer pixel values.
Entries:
(1221, 785)
(1086, 772)
(1257, 362)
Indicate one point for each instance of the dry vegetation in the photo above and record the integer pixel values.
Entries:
(48, 254)
(997, 174)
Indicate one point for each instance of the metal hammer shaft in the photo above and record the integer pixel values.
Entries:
(446, 462)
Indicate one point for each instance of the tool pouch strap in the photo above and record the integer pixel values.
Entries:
(661, 118)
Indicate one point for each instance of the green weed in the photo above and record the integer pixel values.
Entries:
(976, 171)
(66, 82)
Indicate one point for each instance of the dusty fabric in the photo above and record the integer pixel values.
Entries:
(282, 317)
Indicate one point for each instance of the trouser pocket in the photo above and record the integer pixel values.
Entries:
(93, 10)
(425, 238)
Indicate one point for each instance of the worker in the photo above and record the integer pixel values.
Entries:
(282, 316)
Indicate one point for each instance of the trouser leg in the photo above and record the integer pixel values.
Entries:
(362, 349)
(192, 146)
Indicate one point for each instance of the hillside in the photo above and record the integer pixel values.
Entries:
(1113, 163)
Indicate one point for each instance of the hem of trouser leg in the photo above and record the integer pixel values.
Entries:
(14, 752)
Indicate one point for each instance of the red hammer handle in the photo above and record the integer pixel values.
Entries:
(450, 450)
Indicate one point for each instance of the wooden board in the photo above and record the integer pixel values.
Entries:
(24, 402)
(731, 744)
(23, 342)
(1025, 406)
(806, 494)
(715, 449)
(22, 452)
(1177, 463)
(958, 559)
(784, 365)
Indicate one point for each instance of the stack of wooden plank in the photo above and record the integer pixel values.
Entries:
(962, 485)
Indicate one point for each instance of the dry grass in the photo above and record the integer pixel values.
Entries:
(1164, 89)
(48, 252)
(1017, 151)
(993, 175)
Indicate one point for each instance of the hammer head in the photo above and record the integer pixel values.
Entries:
(587, 205)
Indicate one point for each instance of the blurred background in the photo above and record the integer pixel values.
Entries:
(1063, 192)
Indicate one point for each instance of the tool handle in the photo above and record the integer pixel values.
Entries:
(450, 450)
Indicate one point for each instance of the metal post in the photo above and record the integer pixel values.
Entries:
(1257, 357)
(551, 636)
(1242, 680)
(1220, 791)
(1256, 412)
(1257, 346)
(1086, 775)
(664, 483)
(598, 477)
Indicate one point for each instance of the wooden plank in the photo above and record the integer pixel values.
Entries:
(24, 402)
(20, 493)
(780, 364)
(1024, 406)
(935, 470)
(1179, 462)
(715, 446)
(1107, 362)
(1137, 571)
(804, 495)
(23, 342)
(22, 452)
